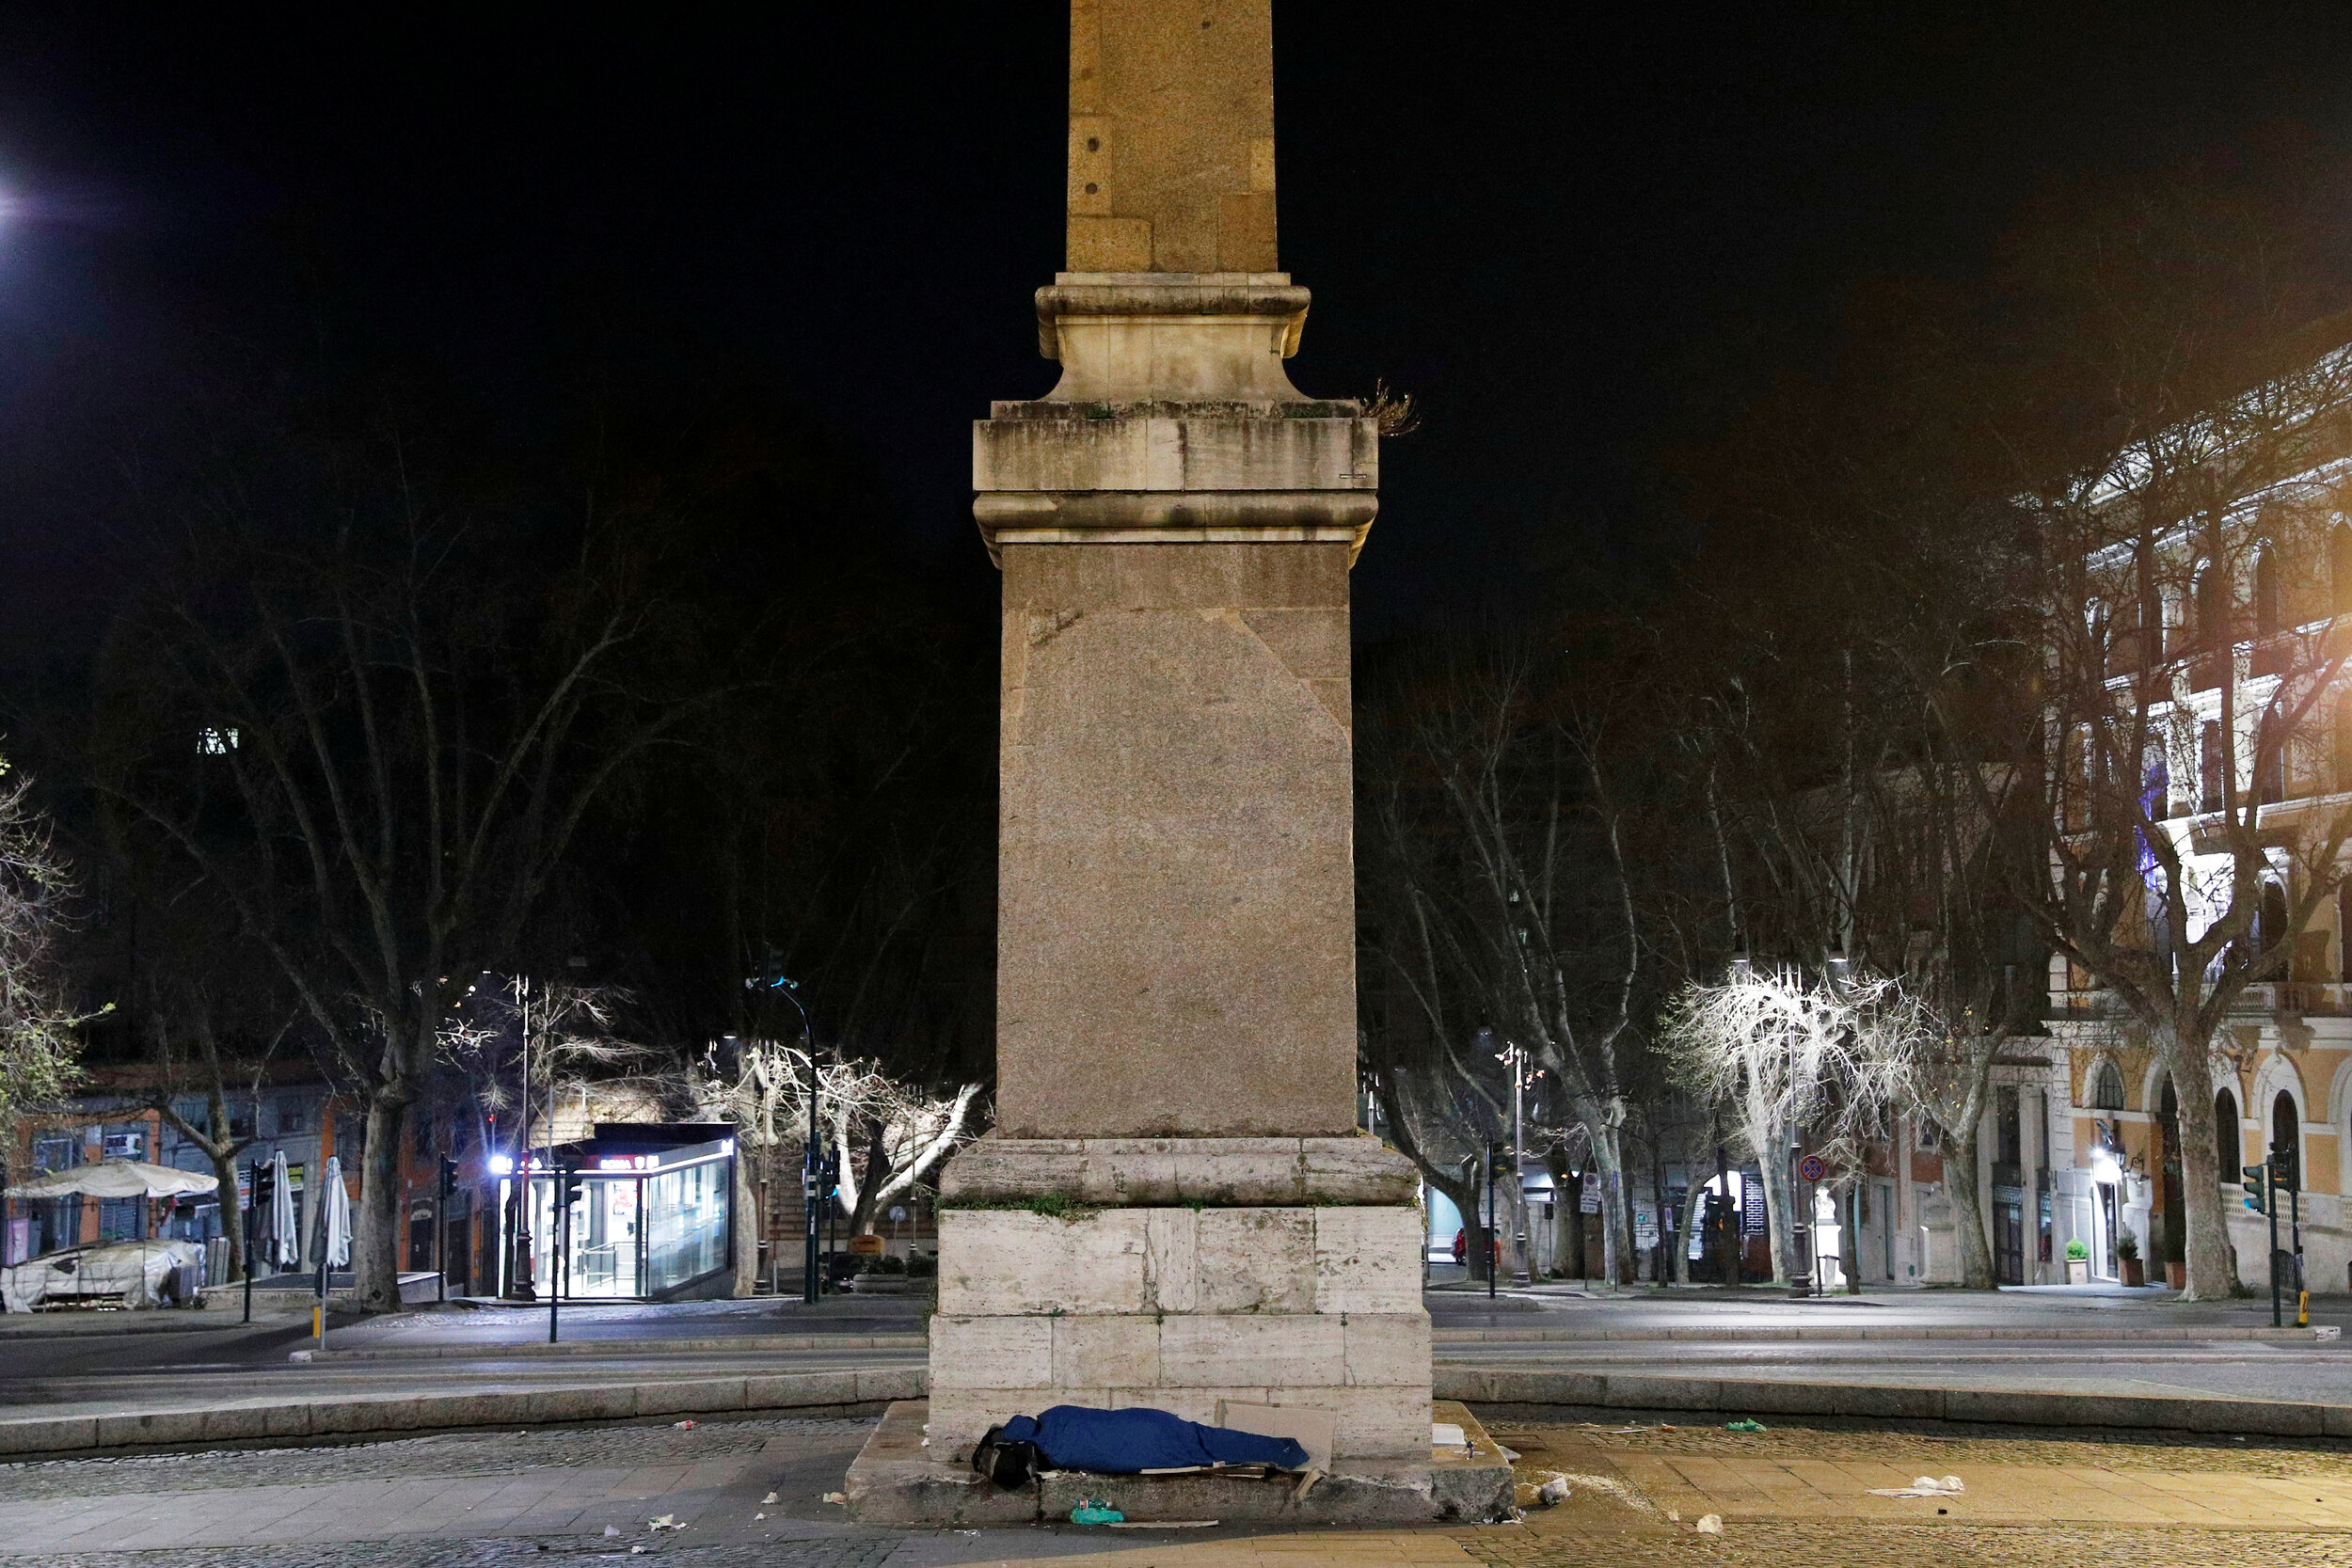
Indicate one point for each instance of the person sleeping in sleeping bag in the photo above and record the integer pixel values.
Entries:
(1122, 1443)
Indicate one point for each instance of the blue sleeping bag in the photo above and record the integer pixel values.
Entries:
(1122, 1442)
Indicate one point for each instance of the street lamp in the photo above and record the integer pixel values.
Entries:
(1515, 1057)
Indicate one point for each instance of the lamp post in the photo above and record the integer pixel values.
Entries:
(1515, 1057)
(812, 1163)
(518, 1269)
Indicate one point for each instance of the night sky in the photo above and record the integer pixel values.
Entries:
(1572, 234)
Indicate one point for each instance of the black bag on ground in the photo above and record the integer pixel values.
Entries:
(1009, 1463)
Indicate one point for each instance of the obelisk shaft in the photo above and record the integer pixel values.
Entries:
(1171, 135)
(1175, 1208)
(1176, 904)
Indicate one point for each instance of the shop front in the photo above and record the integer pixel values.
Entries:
(650, 1216)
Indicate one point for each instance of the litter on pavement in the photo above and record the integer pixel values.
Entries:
(1743, 1425)
(1926, 1486)
(1711, 1524)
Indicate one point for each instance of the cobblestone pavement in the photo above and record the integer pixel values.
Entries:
(858, 1552)
(449, 1454)
(1793, 1493)
(1797, 1493)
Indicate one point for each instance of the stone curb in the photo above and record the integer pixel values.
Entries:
(622, 1347)
(841, 1391)
(1504, 1386)
(1770, 1334)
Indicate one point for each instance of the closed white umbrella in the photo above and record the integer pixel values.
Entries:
(335, 1214)
(334, 1235)
(285, 1248)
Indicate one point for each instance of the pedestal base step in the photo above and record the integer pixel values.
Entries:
(896, 1481)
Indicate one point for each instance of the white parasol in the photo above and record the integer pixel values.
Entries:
(115, 1178)
(285, 1248)
(335, 1216)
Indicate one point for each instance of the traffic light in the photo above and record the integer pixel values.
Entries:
(2282, 1169)
(566, 1185)
(449, 1174)
(2255, 1187)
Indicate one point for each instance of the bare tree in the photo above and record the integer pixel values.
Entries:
(1497, 846)
(38, 1040)
(1816, 1062)
(377, 751)
(189, 1058)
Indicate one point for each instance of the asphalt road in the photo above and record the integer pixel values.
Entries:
(74, 1366)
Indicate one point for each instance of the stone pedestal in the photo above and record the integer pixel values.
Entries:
(1175, 1208)
(1174, 1295)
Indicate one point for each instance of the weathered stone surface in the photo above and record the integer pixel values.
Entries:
(1106, 1353)
(896, 1481)
(1388, 1348)
(991, 1352)
(1242, 1172)
(1306, 1350)
(1176, 910)
(1368, 1260)
(1252, 1260)
(1007, 1261)
(1171, 137)
(1175, 455)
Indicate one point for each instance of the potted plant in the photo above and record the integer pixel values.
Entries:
(2128, 1255)
(2077, 1263)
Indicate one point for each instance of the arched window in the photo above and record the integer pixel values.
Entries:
(2226, 1134)
(2106, 1087)
(2340, 568)
(2212, 767)
(2268, 601)
(2212, 593)
(2271, 939)
(2343, 927)
(2286, 1138)
(2343, 742)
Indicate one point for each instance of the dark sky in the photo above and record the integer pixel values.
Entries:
(1559, 227)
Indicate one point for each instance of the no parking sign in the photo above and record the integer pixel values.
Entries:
(1812, 1167)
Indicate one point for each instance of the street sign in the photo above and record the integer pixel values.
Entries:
(1812, 1167)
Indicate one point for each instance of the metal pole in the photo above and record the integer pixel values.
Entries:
(1486, 1243)
(2294, 1215)
(518, 1269)
(252, 1207)
(440, 1219)
(558, 1219)
(1524, 1273)
(812, 1171)
(2270, 1195)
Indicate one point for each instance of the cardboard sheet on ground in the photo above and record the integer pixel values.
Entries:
(1131, 1441)
(135, 1271)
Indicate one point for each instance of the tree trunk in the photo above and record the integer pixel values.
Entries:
(1574, 1187)
(231, 1213)
(2211, 1274)
(1694, 1199)
(1615, 1234)
(1960, 1166)
(741, 1228)
(375, 1240)
(1780, 1208)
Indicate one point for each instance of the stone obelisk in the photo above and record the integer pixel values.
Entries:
(1176, 1209)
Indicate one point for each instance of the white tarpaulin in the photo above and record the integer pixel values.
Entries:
(115, 1178)
(135, 1271)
